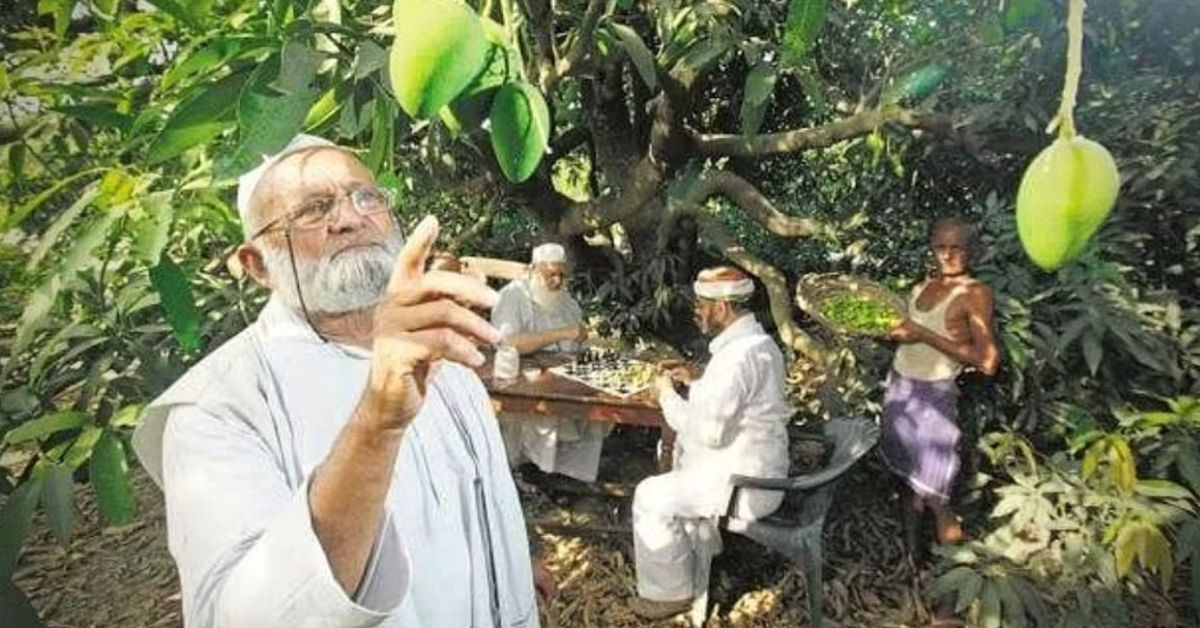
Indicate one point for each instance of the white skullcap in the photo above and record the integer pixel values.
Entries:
(549, 253)
(723, 283)
(249, 181)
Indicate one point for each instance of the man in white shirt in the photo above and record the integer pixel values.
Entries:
(337, 463)
(537, 313)
(734, 421)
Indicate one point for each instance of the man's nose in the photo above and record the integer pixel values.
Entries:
(346, 217)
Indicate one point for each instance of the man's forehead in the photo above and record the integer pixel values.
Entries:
(304, 171)
(317, 167)
(951, 234)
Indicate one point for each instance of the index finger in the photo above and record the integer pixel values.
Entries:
(410, 263)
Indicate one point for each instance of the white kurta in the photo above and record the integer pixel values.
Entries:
(234, 443)
(567, 445)
(734, 421)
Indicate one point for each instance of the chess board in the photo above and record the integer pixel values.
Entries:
(610, 373)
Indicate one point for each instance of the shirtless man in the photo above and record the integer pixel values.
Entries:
(949, 328)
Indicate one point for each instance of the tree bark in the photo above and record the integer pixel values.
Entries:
(787, 142)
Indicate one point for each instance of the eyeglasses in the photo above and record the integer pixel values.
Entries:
(319, 212)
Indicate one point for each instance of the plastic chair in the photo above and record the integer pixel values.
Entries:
(795, 530)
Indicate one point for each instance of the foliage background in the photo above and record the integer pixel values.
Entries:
(123, 125)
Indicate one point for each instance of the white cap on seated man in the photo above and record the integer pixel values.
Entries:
(537, 313)
(733, 421)
(322, 467)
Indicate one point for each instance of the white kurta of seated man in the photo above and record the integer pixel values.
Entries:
(234, 444)
(734, 421)
(567, 445)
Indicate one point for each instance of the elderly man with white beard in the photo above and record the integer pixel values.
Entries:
(337, 463)
(538, 314)
(734, 421)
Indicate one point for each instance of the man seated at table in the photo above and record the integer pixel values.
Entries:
(538, 314)
(734, 421)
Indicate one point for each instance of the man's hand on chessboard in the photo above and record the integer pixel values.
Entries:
(662, 384)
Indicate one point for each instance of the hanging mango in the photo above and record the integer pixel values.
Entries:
(1071, 186)
(439, 49)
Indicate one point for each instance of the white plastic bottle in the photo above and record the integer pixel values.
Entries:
(507, 363)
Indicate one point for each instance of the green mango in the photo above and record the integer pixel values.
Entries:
(440, 47)
(917, 85)
(1065, 195)
(520, 129)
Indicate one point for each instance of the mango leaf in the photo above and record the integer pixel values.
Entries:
(760, 85)
(1092, 351)
(267, 123)
(37, 308)
(951, 581)
(60, 224)
(98, 114)
(110, 480)
(639, 54)
(200, 118)
(814, 91)
(298, 67)
(804, 21)
(369, 58)
(58, 500)
(1014, 610)
(60, 10)
(151, 232)
(1031, 598)
(186, 12)
(520, 129)
(323, 109)
(916, 85)
(80, 451)
(989, 612)
(15, 520)
(1187, 460)
(968, 592)
(44, 426)
(1161, 489)
(15, 607)
(1021, 12)
(383, 135)
(81, 254)
(212, 55)
(1125, 547)
(178, 305)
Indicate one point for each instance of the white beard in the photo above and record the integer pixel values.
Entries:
(544, 297)
(351, 281)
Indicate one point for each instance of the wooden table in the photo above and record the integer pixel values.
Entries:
(551, 395)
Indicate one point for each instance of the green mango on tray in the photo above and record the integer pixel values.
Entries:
(850, 305)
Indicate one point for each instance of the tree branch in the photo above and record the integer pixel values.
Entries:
(786, 142)
(645, 183)
(778, 294)
(474, 231)
(541, 22)
(751, 201)
(583, 44)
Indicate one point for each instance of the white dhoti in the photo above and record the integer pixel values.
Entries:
(567, 446)
(675, 529)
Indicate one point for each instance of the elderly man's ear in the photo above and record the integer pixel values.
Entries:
(252, 263)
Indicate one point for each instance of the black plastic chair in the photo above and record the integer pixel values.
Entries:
(795, 529)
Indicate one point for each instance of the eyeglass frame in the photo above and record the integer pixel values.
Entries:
(387, 195)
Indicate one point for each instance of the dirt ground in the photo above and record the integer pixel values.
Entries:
(124, 578)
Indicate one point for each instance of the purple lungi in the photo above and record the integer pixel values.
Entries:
(920, 434)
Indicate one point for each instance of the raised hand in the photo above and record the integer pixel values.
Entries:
(423, 318)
